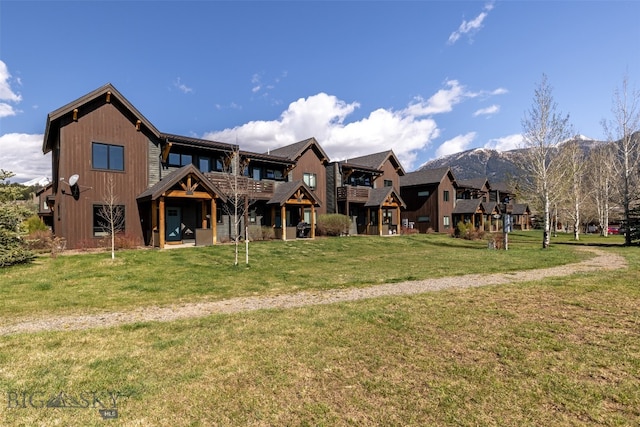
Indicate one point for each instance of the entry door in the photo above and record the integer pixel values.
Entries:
(173, 221)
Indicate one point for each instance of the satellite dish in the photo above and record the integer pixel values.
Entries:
(73, 179)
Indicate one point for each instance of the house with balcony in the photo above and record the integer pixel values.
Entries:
(165, 188)
(367, 189)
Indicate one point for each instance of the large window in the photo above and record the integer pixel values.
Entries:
(106, 218)
(310, 180)
(178, 159)
(106, 156)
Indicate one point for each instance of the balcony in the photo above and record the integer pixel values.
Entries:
(262, 190)
(353, 194)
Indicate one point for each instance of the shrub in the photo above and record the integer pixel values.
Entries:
(39, 240)
(333, 224)
(33, 224)
(257, 232)
(407, 231)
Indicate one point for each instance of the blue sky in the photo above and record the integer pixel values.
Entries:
(424, 78)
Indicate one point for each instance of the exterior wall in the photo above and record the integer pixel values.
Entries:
(155, 168)
(333, 179)
(310, 163)
(73, 219)
(422, 206)
(433, 206)
(389, 173)
(446, 208)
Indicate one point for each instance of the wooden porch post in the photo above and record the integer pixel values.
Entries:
(154, 221)
(283, 221)
(399, 221)
(161, 226)
(380, 221)
(313, 222)
(214, 220)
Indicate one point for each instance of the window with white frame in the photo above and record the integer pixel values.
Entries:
(310, 180)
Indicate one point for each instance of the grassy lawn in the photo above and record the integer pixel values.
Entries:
(93, 283)
(560, 352)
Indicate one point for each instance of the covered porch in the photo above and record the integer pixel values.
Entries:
(293, 211)
(383, 211)
(180, 209)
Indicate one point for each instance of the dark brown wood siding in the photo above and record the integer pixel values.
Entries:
(310, 162)
(389, 172)
(107, 125)
(433, 206)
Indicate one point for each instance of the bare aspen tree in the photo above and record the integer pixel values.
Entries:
(623, 132)
(573, 161)
(111, 213)
(239, 192)
(543, 129)
(599, 178)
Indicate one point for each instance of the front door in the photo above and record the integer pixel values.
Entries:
(174, 221)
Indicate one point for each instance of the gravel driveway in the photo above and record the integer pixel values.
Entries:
(602, 261)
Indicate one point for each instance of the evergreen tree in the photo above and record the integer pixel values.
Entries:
(11, 216)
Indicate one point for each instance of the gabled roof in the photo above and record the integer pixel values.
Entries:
(521, 209)
(490, 207)
(475, 183)
(111, 95)
(295, 150)
(161, 187)
(377, 197)
(467, 206)
(286, 190)
(376, 161)
(426, 176)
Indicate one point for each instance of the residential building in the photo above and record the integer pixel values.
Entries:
(167, 188)
(430, 198)
(367, 189)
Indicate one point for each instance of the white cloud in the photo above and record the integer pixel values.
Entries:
(22, 154)
(470, 27)
(7, 94)
(181, 86)
(493, 109)
(506, 143)
(455, 145)
(324, 117)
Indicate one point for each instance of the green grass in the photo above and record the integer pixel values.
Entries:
(93, 282)
(561, 352)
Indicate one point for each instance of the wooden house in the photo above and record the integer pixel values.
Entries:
(167, 188)
(429, 195)
(367, 189)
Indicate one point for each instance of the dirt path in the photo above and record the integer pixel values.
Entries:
(602, 261)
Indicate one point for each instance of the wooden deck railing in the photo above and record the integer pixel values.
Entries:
(353, 194)
(256, 189)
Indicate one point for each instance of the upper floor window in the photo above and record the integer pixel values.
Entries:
(204, 164)
(388, 183)
(424, 193)
(178, 159)
(445, 195)
(310, 180)
(107, 156)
